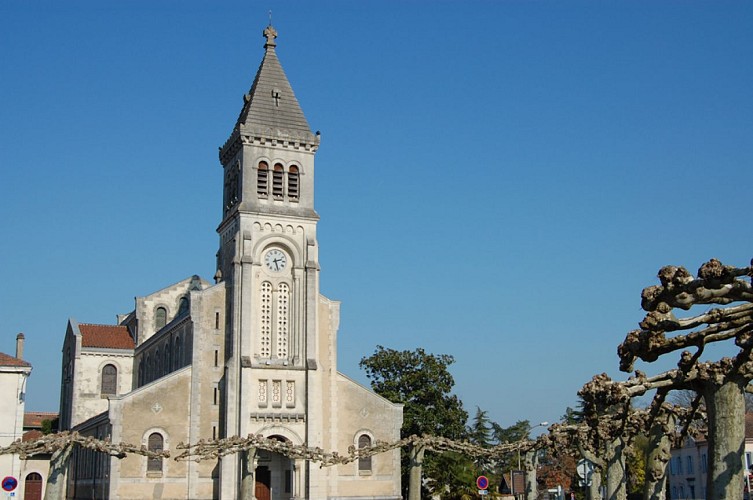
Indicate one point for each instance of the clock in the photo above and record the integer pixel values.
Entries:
(275, 260)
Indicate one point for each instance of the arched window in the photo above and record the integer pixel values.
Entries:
(109, 380)
(293, 183)
(277, 185)
(183, 306)
(148, 370)
(166, 363)
(160, 318)
(156, 368)
(156, 444)
(262, 179)
(364, 463)
(265, 335)
(141, 372)
(281, 332)
(176, 353)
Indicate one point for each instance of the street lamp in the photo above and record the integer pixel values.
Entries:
(541, 424)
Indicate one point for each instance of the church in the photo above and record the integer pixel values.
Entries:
(253, 351)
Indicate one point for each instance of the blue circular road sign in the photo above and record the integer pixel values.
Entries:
(9, 483)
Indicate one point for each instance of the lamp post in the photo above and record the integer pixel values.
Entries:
(541, 424)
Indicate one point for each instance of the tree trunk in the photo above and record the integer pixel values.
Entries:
(248, 469)
(531, 461)
(594, 489)
(725, 406)
(616, 475)
(659, 456)
(55, 488)
(416, 469)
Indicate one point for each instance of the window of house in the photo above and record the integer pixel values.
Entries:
(262, 179)
(109, 380)
(160, 317)
(689, 464)
(703, 463)
(364, 463)
(277, 181)
(155, 443)
(748, 460)
(679, 465)
(293, 179)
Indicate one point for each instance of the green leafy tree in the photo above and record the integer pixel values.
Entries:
(422, 383)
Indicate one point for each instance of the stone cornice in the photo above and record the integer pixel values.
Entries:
(279, 138)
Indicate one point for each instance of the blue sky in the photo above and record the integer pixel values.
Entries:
(498, 180)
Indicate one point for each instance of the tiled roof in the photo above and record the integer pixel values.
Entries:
(749, 425)
(271, 103)
(7, 360)
(34, 418)
(105, 336)
(31, 435)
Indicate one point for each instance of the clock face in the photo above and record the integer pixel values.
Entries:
(275, 260)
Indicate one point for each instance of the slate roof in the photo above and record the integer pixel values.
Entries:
(7, 360)
(106, 336)
(271, 103)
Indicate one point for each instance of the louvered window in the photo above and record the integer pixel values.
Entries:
(277, 185)
(293, 179)
(262, 180)
(109, 380)
(156, 444)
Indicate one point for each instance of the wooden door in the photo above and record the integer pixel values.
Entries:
(263, 483)
(33, 487)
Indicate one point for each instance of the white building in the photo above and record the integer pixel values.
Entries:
(253, 352)
(688, 467)
(30, 474)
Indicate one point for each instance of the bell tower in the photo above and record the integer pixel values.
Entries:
(268, 262)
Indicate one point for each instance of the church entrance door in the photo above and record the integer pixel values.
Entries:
(263, 484)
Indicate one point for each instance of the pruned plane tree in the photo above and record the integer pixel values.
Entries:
(669, 328)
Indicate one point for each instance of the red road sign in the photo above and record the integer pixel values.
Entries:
(482, 482)
(9, 483)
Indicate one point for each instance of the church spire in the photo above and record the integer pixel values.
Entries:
(271, 109)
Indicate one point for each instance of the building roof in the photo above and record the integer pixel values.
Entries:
(34, 418)
(106, 336)
(271, 103)
(8, 360)
(31, 435)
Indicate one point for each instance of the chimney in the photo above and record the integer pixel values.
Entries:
(20, 346)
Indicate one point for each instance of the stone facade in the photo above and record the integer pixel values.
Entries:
(253, 353)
